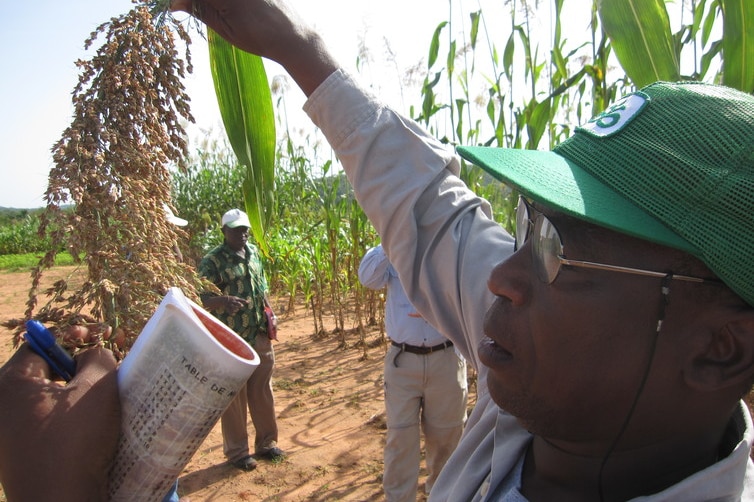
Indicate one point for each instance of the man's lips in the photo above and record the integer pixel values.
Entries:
(491, 354)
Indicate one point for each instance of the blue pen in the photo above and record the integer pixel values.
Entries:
(42, 341)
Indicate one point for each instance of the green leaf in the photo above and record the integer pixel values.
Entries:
(451, 61)
(738, 44)
(639, 32)
(537, 120)
(245, 100)
(706, 60)
(475, 17)
(510, 47)
(708, 22)
(522, 35)
(434, 46)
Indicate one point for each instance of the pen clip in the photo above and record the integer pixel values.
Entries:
(42, 341)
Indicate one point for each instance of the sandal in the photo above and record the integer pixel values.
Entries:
(271, 453)
(246, 463)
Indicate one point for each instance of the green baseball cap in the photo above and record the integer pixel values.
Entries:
(672, 163)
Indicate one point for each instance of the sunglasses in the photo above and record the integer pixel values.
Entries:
(547, 249)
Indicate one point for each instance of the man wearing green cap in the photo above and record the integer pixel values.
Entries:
(615, 345)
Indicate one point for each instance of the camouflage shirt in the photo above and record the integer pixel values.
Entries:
(244, 278)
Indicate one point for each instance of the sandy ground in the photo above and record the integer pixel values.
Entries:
(330, 407)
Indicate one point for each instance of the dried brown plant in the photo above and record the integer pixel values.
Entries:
(112, 164)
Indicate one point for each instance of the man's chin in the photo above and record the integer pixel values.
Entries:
(514, 405)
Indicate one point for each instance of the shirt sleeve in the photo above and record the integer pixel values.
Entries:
(208, 269)
(374, 269)
(440, 236)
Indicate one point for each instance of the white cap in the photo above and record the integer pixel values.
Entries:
(235, 218)
(172, 218)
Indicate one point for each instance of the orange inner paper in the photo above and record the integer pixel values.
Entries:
(226, 338)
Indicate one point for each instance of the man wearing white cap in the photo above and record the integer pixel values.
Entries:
(235, 267)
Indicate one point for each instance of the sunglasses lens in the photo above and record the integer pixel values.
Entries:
(547, 248)
(522, 223)
(546, 244)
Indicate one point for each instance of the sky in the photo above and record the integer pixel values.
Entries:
(40, 41)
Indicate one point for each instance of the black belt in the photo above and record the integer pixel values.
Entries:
(418, 350)
(414, 349)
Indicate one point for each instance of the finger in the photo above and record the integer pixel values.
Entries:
(82, 334)
(209, 12)
(93, 364)
(26, 363)
(94, 368)
(199, 9)
(75, 334)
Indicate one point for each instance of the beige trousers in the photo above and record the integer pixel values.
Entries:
(256, 395)
(423, 393)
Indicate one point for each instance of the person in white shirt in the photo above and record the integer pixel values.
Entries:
(425, 387)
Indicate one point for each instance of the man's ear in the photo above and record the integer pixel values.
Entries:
(726, 359)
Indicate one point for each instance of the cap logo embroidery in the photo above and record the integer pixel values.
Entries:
(616, 117)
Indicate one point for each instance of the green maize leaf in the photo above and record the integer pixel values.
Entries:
(738, 44)
(245, 100)
(434, 46)
(523, 35)
(450, 65)
(707, 23)
(475, 18)
(639, 32)
(510, 47)
(538, 115)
